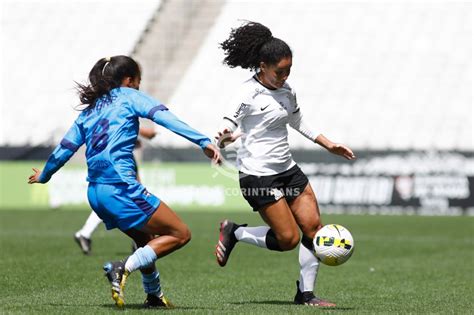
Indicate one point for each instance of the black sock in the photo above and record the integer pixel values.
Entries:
(307, 242)
(271, 241)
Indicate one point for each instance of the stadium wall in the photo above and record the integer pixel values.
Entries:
(403, 182)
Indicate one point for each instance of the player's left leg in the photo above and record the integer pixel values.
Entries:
(305, 209)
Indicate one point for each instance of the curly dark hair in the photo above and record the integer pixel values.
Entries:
(252, 43)
(105, 75)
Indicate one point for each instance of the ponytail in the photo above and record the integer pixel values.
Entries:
(252, 43)
(107, 74)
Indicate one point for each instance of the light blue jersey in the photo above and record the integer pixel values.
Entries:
(110, 131)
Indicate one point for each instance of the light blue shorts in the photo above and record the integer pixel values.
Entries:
(122, 206)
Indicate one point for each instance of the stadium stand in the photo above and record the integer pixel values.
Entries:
(374, 75)
(392, 80)
(171, 41)
(42, 62)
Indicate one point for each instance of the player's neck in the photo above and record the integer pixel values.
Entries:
(259, 80)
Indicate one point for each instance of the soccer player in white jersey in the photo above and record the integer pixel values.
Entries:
(270, 180)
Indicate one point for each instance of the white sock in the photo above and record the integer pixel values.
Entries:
(309, 265)
(141, 258)
(252, 235)
(89, 227)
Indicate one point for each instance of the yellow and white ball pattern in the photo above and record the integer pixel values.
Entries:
(333, 244)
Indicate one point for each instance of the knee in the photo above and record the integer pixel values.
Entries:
(311, 230)
(184, 236)
(288, 241)
(317, 227)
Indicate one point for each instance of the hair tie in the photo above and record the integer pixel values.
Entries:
(108, 61)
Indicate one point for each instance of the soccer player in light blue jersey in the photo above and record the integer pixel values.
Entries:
(83, 237)
(108, 125)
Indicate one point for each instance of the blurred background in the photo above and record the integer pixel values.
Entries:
(392, 80)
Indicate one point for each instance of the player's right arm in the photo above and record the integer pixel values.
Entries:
(228, 132)
(71, 142)
(226, 137)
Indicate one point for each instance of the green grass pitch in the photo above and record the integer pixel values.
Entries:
(401, 265)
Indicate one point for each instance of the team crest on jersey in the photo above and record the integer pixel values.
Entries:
(258, 92)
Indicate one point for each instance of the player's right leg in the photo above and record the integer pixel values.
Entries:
(263, 196)
(281, 234)
(171, 233)
(150, 275)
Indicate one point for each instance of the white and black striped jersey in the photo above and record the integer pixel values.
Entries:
(262, 115)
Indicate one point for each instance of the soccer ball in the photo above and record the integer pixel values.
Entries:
(333, 244)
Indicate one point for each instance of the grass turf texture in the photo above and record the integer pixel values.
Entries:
(400, 265)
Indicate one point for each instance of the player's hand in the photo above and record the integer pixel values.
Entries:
(213, 153)
(225, 138)
(35, 177)
(342, 150)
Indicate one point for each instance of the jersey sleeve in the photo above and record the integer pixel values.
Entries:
(71, 142)
(239, 109)
(147, 107)
(297, 122)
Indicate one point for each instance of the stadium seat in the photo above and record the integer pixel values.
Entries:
(372, 75)
(43, 62)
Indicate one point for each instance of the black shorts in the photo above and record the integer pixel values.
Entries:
(260, 191)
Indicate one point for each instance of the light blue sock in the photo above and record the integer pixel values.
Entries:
(151, 283)
(143, 257)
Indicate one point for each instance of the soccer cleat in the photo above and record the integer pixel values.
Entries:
(227, 241)
(308, 298)
(157, 301)
(84, 243)
(117, 276)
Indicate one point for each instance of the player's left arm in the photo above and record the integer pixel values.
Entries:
(297, 122)
(335, 148)
(71, 142)
(147, 107)
(168, 120)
